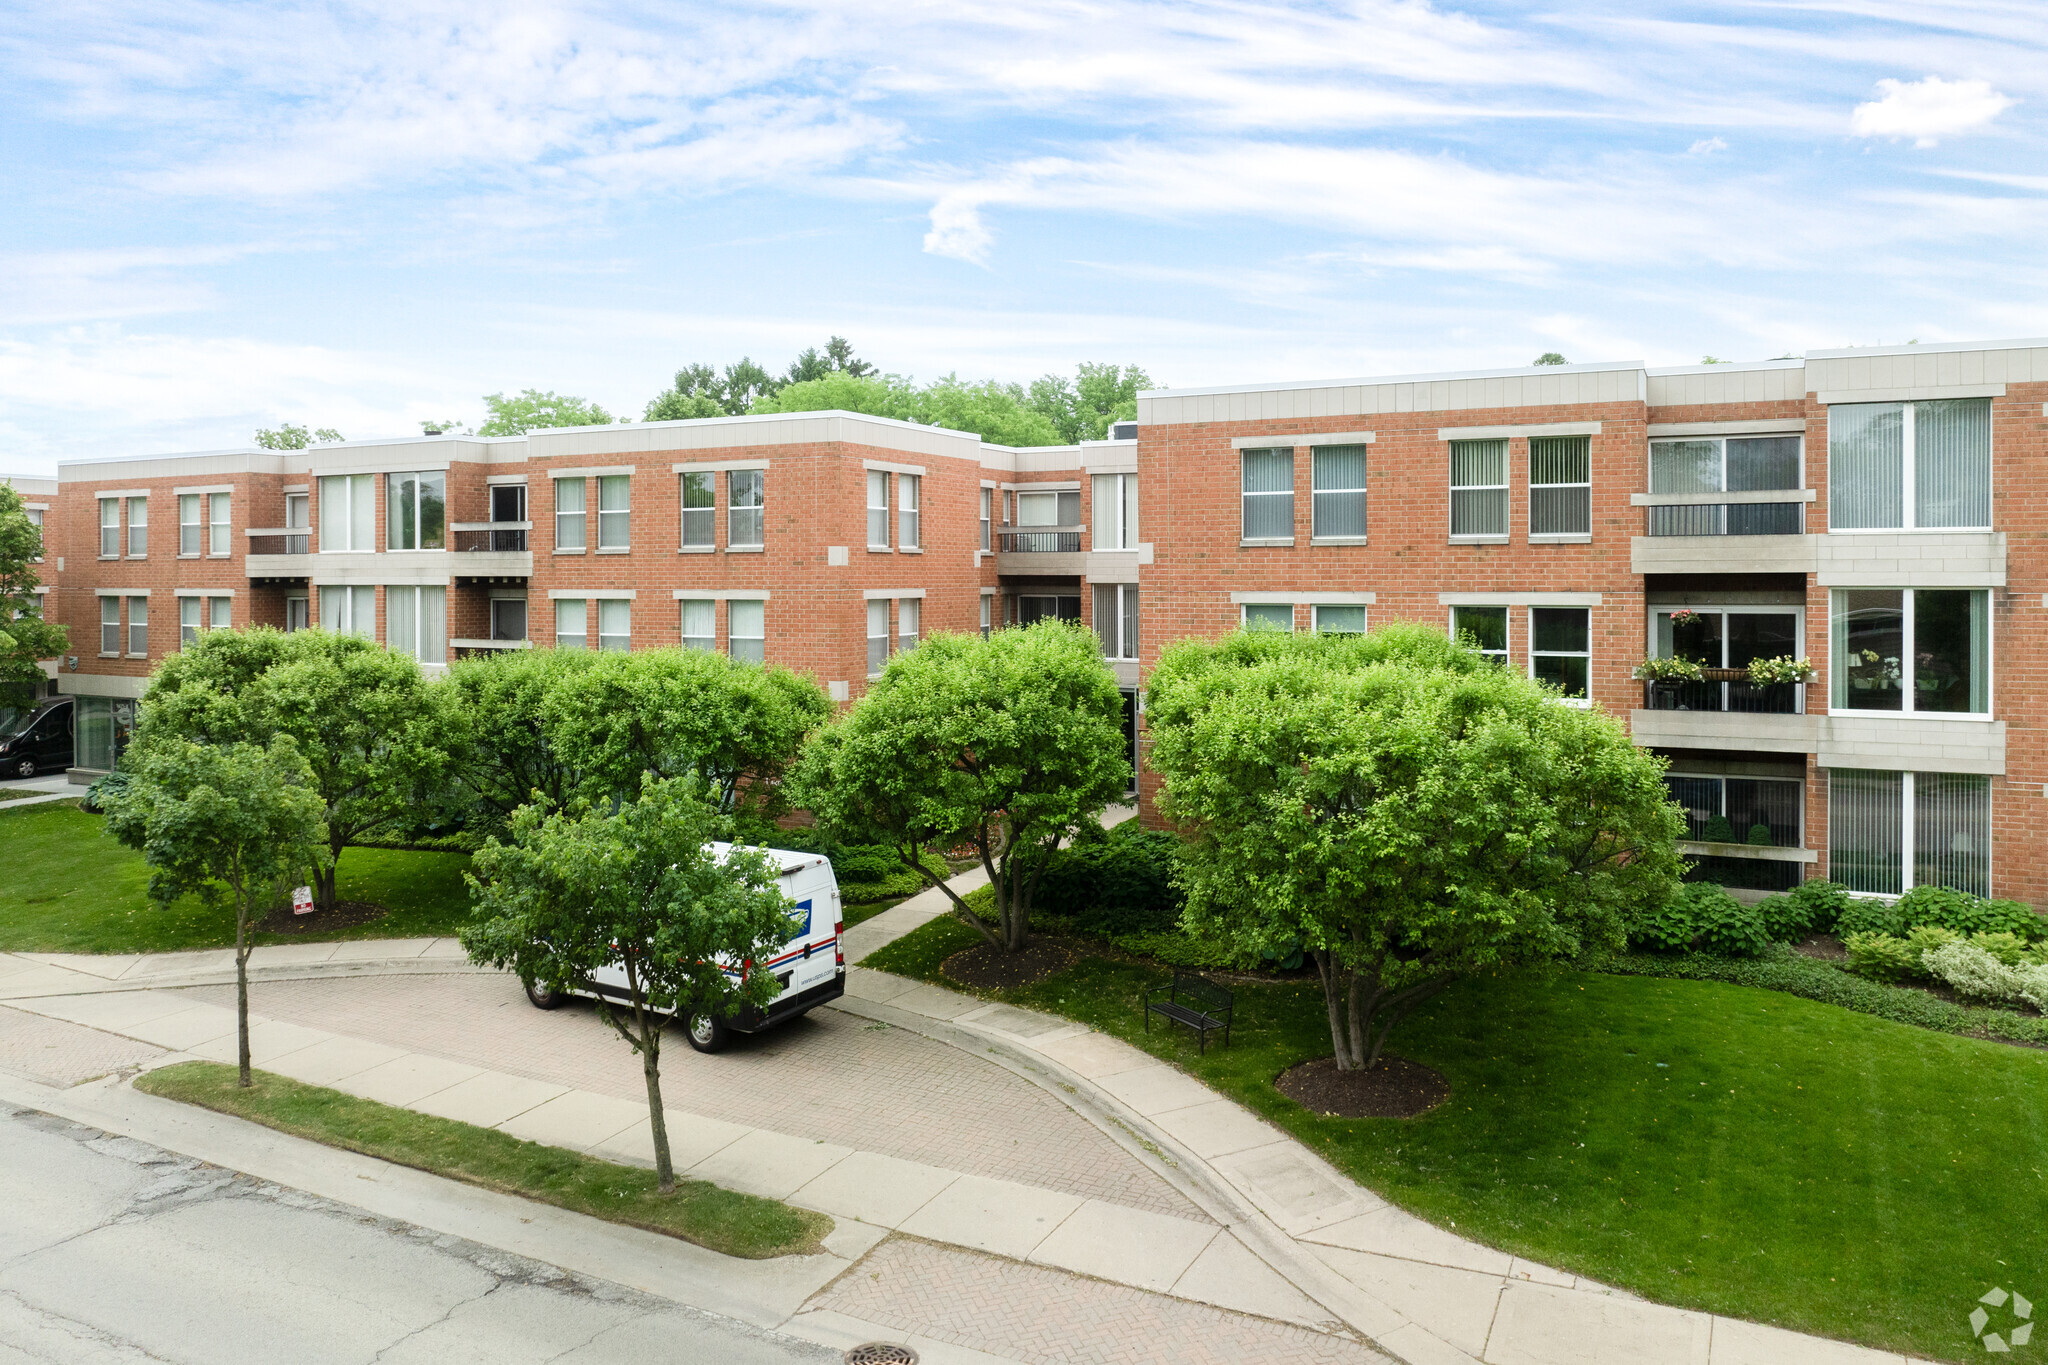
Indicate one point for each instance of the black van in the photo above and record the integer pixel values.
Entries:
(37, 740)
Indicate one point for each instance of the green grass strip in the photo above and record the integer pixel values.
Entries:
(723, 1220)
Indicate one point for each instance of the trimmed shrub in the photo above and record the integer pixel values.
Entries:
(1761, 834)
(1718, 830)
(1974, 973)
(1121, 883)
(1968, 914)
(1881, 957)
(1812, 907)
(873, 872)
(1868, 915)
(1701, 914)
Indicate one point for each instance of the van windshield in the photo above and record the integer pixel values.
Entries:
(15, 719)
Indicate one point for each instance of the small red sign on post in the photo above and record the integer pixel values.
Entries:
(302, 900)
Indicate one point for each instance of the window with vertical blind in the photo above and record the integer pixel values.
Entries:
(348, 515)
(219, 612)
(138, 625)
(878, 635)
(747, 630)
(110, 528)
(1484, 629)
(1479, 490)
(192, 534)
(614, 624)
(1113, 500)
(1923, 650)
(1910, 466)
(218, 527)
(908, 612)
(138, 527)
(988, 499)
(570, 511)
(572, 623)
(615, 512)
(987, 614)
(1889, 832)
(190, 612)
(349, 611)
(416, 623)
(878, 509)
(1739, 810)
(907, 486)
(1268, 477)
(1116, 619)
(1337, 490)
(700, 623)
(110, 625)
(700, 513)
(1560, 485)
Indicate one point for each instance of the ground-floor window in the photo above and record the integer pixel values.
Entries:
(508, 618)
(1739, 810)
(1889, 832)
(1561, 648)
(878, 635)
(102, 726)
(350, 611)
(416, 623)
(297, 613)
(1483, 628)
(615, 624)
(1116, 619)
(1269, 616)
(746, 632)
(572, 623)
(1340, 619)
(1035, 607)
(700, 628)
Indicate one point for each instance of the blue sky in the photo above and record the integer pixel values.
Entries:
(226, 215)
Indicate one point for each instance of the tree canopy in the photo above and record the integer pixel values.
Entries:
(531, 409)
(1402, 810)
(290, 437)
(25, 637)
(640, 890)
(1010, 743)
(503, 752)
(1098, 395)
(232, 824)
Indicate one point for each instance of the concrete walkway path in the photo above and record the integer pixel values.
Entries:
(37, 791)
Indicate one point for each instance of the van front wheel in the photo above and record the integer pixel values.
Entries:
(706, 1034)
(542, 997)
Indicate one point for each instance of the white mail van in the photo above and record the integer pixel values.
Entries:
(811, 966)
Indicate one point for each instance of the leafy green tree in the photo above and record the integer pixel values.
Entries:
(678, 407)
(1012, 744)
(1404, 812)
(837, 358)
(25, 637)
(877, 395)
(1083, 409)
(447, 426)
(531, 409)
(994, 411)
(500, 748)
(735, 726)
(1550, 358)
(289, 437)
(371, 731)
(643, 891)
(234, 824)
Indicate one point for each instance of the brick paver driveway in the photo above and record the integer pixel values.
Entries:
(828, 1076)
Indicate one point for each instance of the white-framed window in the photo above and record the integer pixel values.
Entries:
(1483, 628)
(1114, 501)
(1889, 832)
(1269, 616)
(572, 623)
(110, 625)
(746, 494)
(1337, 478)
(699, 623)
(1479, 489)
(700, 511)
(1764, 811)
(110, 528)
(746, 630)
(878, 635)
(878, 509)
(908, 610)
(1925, 650)
(615, 624)
(987, 614)
(1268, 477)
(349, 611)
(570, 511)
(219, 524)
(906, 512)
(348, 514)
(1718, 636)
(295, 519)
(1053, 507)
(1561, 649)
(1732, 464)
(1340, 618)
(298, 613)
(1910, 466)
(138, 527)
(1116, 619)
(1560, 486)
(614, 512)
(138, 625)
(988, 507)
(416, 511)
(191, 611)
(416, 623)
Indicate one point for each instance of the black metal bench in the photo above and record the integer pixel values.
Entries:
(1200, 1004)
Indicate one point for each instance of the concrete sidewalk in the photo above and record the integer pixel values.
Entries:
(29, 975)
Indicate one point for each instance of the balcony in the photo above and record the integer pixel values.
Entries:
(1745, 532)
(1724, 689)
(278, 552)
(1765, 732)
(492, 549)
(1040, 551)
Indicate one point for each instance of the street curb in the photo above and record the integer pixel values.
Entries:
(1190, 1175)
(307, 971)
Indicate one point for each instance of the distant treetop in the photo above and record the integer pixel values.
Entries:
(1550, 358)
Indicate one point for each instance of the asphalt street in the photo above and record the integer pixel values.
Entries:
(113, 1252)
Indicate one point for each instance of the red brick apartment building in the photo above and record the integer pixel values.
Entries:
(1879, 512)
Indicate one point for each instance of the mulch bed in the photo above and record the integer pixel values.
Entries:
(984, 968)
(1826, 947)
(1395, 1089)
(344, 915)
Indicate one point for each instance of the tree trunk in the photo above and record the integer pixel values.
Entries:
(244, 1080)
(650, 1064)
(326, 879)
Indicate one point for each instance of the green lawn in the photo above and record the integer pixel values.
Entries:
(1712, 1146)
(65, 887)
(709, 1215)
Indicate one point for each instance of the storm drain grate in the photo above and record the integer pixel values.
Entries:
(881, 1353)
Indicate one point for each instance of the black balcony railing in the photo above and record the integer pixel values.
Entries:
(497, 537)
(1728, 519)
(1778, 699)
(1049, 542)
(296, 544)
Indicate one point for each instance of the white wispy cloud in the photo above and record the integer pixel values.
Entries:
(1928, 109)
